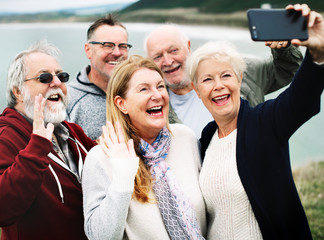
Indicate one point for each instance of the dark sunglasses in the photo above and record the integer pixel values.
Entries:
(48, 77)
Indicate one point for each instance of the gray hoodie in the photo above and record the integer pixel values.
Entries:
(87, 104)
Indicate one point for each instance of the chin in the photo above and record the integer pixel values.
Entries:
(55, 114)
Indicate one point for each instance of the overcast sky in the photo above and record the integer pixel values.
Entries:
(45, 5)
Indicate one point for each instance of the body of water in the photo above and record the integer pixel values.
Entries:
(305, 145)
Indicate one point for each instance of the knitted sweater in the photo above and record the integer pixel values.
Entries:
(262, 153)
(87, 104)
(230, 215)
(113, 214)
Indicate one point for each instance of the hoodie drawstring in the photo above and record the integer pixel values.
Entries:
(62, 164)
(58, 183)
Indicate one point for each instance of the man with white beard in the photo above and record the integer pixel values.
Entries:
(41, 155)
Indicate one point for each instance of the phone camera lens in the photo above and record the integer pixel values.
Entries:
(255, 34)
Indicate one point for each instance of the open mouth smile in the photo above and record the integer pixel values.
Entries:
(155, 111)
(172, 70)
(220, 100)
(54, 97)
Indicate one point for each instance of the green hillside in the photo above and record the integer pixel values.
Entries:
(218, 6)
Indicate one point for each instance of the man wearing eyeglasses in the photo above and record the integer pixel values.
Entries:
(41, 155)
(106, 46)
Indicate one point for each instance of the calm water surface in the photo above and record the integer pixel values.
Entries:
(307, 144)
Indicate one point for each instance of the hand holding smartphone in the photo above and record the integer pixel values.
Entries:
(277, 25)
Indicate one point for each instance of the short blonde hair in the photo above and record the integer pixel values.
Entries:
(219, 50)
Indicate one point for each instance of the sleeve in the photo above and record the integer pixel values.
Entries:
(299, 102)
(105, 207)
(266, 76)
(21, 173)
(173, 117)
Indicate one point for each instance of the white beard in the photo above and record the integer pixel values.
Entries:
(56, 113)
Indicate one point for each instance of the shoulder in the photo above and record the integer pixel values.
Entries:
(180, 130)
(95, 160)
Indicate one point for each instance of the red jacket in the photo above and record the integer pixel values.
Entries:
(31, 206)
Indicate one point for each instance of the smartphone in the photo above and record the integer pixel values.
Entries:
(276, 25)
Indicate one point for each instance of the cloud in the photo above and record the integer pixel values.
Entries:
(20, 6)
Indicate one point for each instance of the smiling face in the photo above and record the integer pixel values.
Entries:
(54, 92)
(103, 62)
(169, 50)
(146, 103)
(219, 89)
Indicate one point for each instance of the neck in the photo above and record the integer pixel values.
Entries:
(226, 127)
(98, 80)
(182, 91)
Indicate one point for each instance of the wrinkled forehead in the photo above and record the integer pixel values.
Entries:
(163, 40)
(41, 62)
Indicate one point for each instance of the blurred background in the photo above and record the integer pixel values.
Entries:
(65, 22)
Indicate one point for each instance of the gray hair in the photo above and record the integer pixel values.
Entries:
(18, 70)
(170, 27)
(219, 50)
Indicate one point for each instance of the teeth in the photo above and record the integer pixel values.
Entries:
(155, 108)
(113, 62)
(219, 98)
(53, 96)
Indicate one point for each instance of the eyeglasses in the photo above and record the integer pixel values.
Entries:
(110, 46)
(47, 77)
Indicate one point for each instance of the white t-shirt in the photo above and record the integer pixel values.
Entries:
(191, 111)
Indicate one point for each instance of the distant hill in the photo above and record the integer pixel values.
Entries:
(218, 6)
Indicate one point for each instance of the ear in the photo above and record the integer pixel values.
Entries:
(196, 90)
(189, 46)
(121, 104)
(87, 50)
(241, 79)
(18, 94)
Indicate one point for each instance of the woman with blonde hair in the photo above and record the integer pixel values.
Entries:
(141, 182)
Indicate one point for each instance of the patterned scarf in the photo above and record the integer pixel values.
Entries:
(178, 216)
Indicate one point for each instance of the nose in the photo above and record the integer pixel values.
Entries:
(167, 60)
(56, 82)
(116, 51)
(218, 84)
(156, 95)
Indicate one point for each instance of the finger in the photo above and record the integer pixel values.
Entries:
(49, 131)
(279, 44)
(131, 149)
(112, 133)
(39, 104)
(313, 16)
(268, 43)
(106, 137)
(290, 6)
(104, 146)
(305, 9)
(296, 42)
(120, 133)
(284, 44)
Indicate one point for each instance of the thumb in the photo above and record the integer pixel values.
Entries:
(49, 131)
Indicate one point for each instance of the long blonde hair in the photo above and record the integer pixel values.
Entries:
(118, 86)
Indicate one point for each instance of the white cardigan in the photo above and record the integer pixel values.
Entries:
(113, 214)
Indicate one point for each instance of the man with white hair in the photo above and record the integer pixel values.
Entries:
(169, 47)
(41, 155)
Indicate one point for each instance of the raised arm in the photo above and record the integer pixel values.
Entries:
(264, 76)
(23, 162)
(108, 184)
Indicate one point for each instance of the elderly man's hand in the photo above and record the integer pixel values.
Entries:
(39, 127)
(277, 44)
